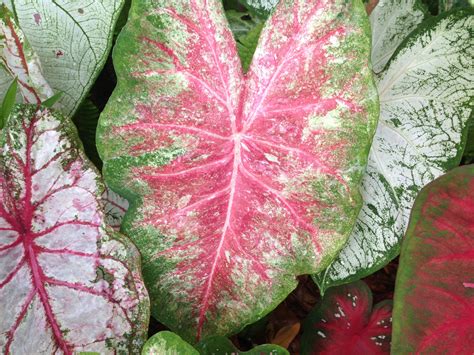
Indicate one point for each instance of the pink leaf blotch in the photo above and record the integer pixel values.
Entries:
(237, 182)
(434, 293)
(67, 282)
(345, 323)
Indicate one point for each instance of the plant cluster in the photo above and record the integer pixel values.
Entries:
(230, 148)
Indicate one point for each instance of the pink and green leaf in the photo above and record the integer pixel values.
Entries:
(434, 293)
(68, 283)
(346, 323)
(20, 61)
(237, 183)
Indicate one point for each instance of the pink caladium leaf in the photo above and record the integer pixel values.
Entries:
(115, 207)
(346, 323)
(434, 292)
(237, 182)
(20, 61)
(67, 283)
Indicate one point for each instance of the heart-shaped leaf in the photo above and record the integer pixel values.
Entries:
(345, 323)
(425, 99)
(72, 40)
(262, 8)
(20, 62)
(67, 282)
(237, 184)
(434, 293)
(167, 343)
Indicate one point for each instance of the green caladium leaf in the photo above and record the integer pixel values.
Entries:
(168, 343)
(246, 31)
(68, 283)
(8, 102)
(391, 22)
(434, 293)
(425, 96)
(18, 60)
(237, 184)
(71, 39)
(221, 345)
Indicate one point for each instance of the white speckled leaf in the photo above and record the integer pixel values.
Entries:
(115, 207)
(425, 96)
(17, 59)
(67, 282)
(72, 40)
(391, 22)
(260, 7)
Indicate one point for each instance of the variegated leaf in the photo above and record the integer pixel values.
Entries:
(260, 7)
(237, 184)
(72, 40)
(426, 96)
(20, 61)
(391, 22)
(115, 207)
(68, 283)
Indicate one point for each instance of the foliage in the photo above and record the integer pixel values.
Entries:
(237, 184)
(435, 290)
(67, 281)
(345, 323)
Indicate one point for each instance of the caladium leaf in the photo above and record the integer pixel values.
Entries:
(425, 97)
(263, 8)
(434, 292)
(18, 60)
(72, 40)
(237, 184)
(67, 283)
(346, 323)
(115, 207)
(391, 22)
(222, 345)
(168, 343)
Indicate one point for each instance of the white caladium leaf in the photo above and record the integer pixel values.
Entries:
(115, 207)
(237, 183)
(391, 22)
(68, 283)
(260, 7)
(72, 40)
(425, 96)
(20, 61)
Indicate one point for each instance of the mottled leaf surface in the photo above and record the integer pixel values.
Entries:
(346, 323)
(167, 343)
(18, 60)
(237, 183)
(67, 283)
(434, 293)
(425, 97)
(391, 22)
(72, 40)
(115, 207)
(262, 8)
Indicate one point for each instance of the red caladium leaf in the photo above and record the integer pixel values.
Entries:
(237, 183)
(345, 323)
(434, 293)
(67, 282)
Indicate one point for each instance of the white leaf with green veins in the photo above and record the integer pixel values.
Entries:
(72, 40)
(391, 22)
(426, 100)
